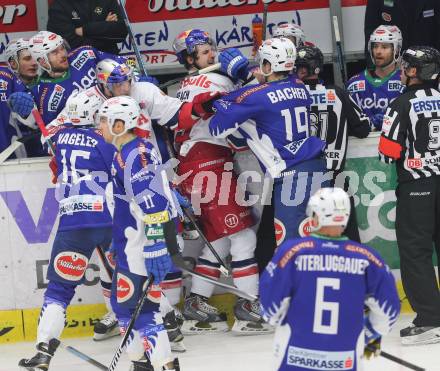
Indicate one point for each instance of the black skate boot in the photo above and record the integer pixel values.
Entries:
(248, 319)
(106, 328)
(143, 365)
(200, 317)
(174, 334)
(176, 366)
(41, 360)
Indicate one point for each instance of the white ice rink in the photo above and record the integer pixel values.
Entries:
(218, 352)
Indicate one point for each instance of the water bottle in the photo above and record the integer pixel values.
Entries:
(257, 33)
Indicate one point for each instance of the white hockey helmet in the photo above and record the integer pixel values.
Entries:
(290, 30)
(389, 35)
(122, 108)
(41, 44)
(12, 50)
(279, 52)
(331, 206)
(82, 106)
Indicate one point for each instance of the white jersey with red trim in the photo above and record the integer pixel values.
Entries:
(195, 85)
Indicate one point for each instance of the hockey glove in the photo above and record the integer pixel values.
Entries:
(183, 201)
(202, 104)
(372, 340)
(157, 260)
(376, 121)
(21, 103)
(150, 79)
(234, 63)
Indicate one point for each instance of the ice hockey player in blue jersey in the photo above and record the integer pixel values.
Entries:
(273, 120)
(315, 290)
(82, 164)
(374, 90)
(21, 74)
(63, 72)
(143, 222)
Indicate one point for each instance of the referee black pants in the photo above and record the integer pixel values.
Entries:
(418, 234)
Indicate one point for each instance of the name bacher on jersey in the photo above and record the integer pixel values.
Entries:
(273, 119)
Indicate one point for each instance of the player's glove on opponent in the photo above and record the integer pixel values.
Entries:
(157, 260)
(234, 64)
(21, 103)
(150, 79)
(376, 121)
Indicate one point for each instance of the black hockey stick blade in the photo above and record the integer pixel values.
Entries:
(222, 268)
(402, 362)
(84, 357)
(181, 264)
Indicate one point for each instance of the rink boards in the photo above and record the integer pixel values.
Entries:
(28, 222)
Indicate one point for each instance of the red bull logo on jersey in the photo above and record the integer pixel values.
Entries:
(70, 265)
(320, 360)
(55, 98)
(125, 288)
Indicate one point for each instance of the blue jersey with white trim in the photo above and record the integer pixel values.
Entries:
(274, 119)
(50, 94)
(315, 290)
(374, 94)
(142, 196)
(83, 161)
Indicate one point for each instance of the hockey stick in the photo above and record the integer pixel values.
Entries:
(84, 357)
(42, 127)
(210, 68)
(137, 53)
(222, 268)
(104, 261)
(397, 360)
(130, 326)
(4, 155)
(265, 8)
(339, 50)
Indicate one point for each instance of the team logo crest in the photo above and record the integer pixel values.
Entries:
(305, 229)
(70, 265)
(231, 220)
(125, 288)
(280, 231)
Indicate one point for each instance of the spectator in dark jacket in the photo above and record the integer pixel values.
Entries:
(419, 20)
(88, 22)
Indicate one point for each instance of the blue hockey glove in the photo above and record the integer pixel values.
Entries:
(234, 63)
(21, 103)
(183, 201)
(157, 261)
(376, 121)
(150, 79)
(372, 340)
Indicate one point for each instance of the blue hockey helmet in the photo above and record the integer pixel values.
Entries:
(188, 40)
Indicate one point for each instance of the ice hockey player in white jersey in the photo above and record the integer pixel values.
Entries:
(315, 290)
(225, 223)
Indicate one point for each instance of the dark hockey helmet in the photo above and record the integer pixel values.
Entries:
(425, 59)
(311, 58)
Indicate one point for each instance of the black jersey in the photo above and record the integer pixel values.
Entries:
(411, 133)
(333, 117)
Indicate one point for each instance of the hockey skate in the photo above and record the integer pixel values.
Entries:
(145, 365)
(174, 334)
(248, 320)
(106, 328)
(41, 360)
(200, 317)
(418, 335)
